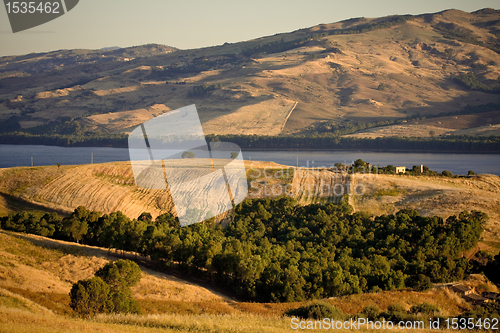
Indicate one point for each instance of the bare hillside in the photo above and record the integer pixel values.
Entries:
(364, 69)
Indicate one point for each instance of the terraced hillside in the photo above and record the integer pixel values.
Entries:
(110, 187)
(309, 80)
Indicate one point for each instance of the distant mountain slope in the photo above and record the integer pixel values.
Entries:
(306, 81)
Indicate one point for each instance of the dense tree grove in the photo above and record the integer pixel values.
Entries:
(275, 250)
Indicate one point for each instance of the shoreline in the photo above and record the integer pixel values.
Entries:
(367, 150)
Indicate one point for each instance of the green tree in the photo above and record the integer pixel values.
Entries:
(420, 282)
(89, 297)
(120, 275)
(75, 228)
(447, 173)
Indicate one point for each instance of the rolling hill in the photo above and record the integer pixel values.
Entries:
(36, 274)
(110, 187)
(306, 81)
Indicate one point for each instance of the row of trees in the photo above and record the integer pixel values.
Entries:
(463, 143)
(276, 250)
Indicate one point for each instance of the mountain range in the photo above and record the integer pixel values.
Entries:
(404, 75)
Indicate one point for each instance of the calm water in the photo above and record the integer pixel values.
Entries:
(15, 155)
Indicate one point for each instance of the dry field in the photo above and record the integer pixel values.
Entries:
(110, 187)
(268, 116)
(36, 274)
(42, 266)
(482, 124)
(387, 194)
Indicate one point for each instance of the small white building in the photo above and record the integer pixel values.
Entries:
(400, 169)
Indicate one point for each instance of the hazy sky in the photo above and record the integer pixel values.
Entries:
(94, 24)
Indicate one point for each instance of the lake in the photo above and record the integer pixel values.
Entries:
(18, 155)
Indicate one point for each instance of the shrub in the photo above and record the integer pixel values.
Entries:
(188, 154)
(89, 297)
(122, 272)
(203, 90)
(420, 282)
(395, 313)
(371, 312)
(318, 310)
(447, 173)
(108, 291)
(425, 309)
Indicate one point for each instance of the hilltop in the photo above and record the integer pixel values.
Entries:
(308, 81)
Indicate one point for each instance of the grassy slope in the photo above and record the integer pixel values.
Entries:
(387, 194)
(258, 94)
(110, 187)
(42, 305)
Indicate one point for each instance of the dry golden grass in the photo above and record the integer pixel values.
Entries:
(119, 121)
(268, 116)
(430, 196)
(44, 270)
(406, 130)
(110, 187)
(484, 124)
(14, 320)
(27, 306)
